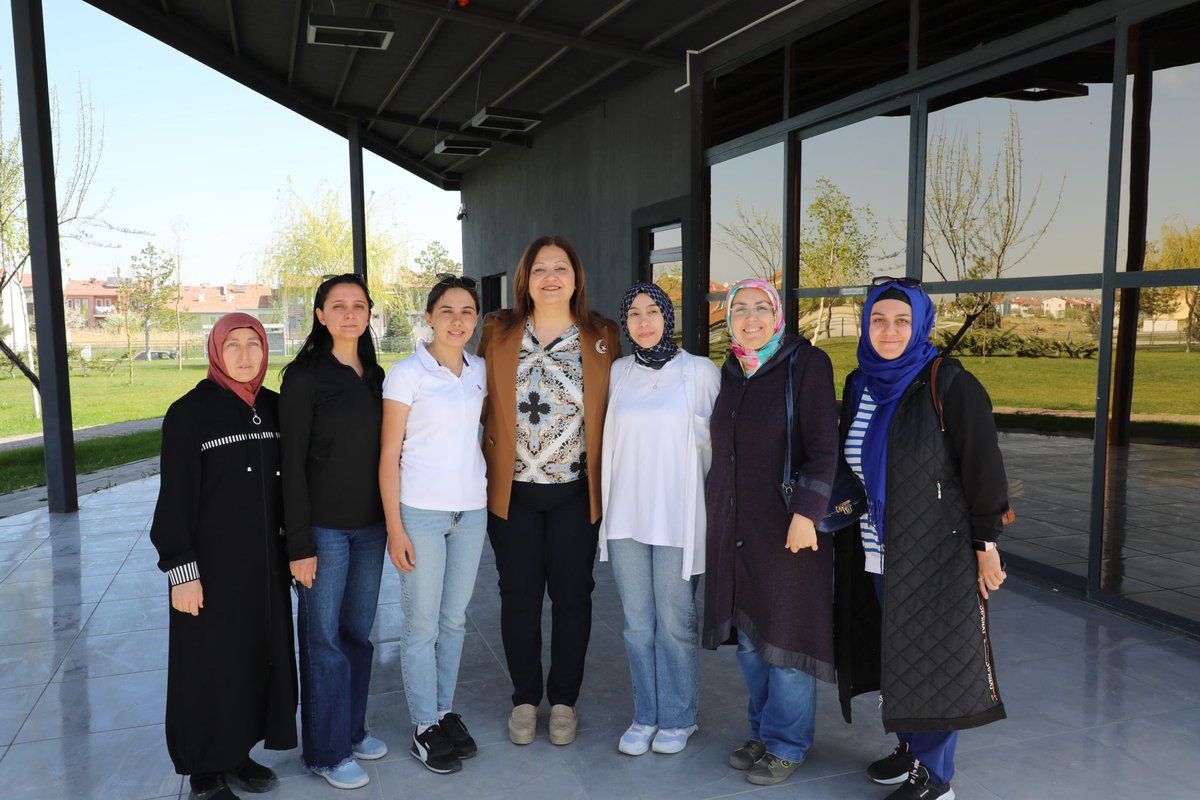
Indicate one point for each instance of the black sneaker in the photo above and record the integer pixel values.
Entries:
(435, 751)
(452, 725)
(893, 768)
(747, 754)
(210, 787)
(919, 787)
(254, 777)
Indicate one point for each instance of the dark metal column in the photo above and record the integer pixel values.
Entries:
(358, 205)
(695, 226)
(41, 203)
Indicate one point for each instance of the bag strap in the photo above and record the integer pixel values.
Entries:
(787, 451)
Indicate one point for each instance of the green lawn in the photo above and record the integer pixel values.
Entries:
(25, 466)
(97, 399)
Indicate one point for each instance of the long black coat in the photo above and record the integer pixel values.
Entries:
(231, 679)
(929, 651)
(781, 600)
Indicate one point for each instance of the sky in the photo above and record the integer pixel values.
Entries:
(189, 150)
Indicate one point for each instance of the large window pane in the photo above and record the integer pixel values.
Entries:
(747, 219)
(1151, 548)
(1016, 172)
(745, 99)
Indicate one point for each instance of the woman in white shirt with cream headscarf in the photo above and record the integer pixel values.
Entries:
(656, 454)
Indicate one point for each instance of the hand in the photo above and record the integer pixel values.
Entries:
(400, 550)
(188, 597)
(802, 534)
(304, 570)
(991, 574)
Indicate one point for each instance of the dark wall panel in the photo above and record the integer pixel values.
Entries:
(582, 180)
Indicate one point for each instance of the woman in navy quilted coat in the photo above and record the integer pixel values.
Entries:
(913, 578)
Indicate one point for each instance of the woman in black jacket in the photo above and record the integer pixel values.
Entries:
(331, 410)
(231, 677)
(926, 549)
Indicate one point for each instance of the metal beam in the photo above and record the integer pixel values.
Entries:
(358, 204)
(37, 151)
(392, 118)
(546, 33)
(233, 37)
(298, 35)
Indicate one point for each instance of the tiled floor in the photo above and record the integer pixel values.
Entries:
(1099, 706)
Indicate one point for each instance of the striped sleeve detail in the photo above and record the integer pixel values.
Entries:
(183, 573)
(872, 547)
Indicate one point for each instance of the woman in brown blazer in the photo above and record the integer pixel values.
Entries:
(548, 361)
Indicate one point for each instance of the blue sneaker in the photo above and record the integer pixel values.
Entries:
(370, 748)
(348, 775)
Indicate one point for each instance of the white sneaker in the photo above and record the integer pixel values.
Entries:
(673, 740)
(636, 740)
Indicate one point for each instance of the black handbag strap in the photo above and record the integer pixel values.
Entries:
(787, 451)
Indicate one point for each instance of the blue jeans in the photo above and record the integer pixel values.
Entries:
(335, 619)
(661, 635)
(783, 703)
(935, 750)
(434, 597)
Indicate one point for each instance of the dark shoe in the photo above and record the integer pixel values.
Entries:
(893, 768)
(210, 787)
(771, 769)
(435, 751)
(747, 755)
(452, 725)
(919, 787)
(254, 777)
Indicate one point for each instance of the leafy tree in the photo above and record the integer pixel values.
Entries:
(314, 240)
(835, 244)
(150, 294)
(1178, 247)
(80, 217)
(435, 259)
(980, 221)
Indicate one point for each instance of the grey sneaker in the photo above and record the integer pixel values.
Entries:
(747, 755)
(522, 723)
(770, 770)
(563, 722)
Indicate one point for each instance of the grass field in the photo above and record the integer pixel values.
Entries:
(24, 467)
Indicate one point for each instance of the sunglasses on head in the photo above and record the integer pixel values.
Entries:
(457, 280)
(907, 283)
(354, 276)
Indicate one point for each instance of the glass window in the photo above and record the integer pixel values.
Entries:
(853, 209)
(1036, 356)
(1015, 180)
(863, 50)
(950, 27)
(745, 99)
(746, 238)
(1151, 550)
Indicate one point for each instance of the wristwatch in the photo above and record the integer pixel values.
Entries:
(983, 546)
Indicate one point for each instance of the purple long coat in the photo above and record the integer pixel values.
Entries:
(782, 601)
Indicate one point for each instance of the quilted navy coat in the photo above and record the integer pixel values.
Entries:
(929, 651)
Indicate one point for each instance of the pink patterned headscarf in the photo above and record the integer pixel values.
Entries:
(751, 360)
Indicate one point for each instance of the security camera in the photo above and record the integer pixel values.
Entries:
(462, 212)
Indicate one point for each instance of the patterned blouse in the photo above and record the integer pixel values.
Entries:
(550, 443)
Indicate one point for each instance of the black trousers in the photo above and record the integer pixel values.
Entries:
(546, 544)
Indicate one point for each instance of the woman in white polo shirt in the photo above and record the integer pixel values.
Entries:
(431, 478)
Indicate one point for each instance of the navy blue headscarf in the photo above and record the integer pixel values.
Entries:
(886, 380)
(662, 352)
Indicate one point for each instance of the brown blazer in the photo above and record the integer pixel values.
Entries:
(501, 352)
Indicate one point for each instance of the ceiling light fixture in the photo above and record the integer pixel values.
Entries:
(461, 147)
(366, 34)
(509, 120)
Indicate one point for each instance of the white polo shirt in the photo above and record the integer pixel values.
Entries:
(441, 466)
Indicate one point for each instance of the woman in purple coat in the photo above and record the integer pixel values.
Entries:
(768, 583)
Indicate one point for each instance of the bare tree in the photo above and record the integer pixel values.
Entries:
(756, 239)
(980, 222)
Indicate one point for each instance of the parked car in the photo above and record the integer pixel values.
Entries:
(155, 355)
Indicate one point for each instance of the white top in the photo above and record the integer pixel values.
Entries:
(872, 547)
(657, 451)
(441, 465)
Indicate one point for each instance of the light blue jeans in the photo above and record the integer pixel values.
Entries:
(335, 619)
(661, 634)
(434, 597)
(783, 703)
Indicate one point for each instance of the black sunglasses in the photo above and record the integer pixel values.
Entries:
(457, 280)
(354, 276)
(907, 283)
